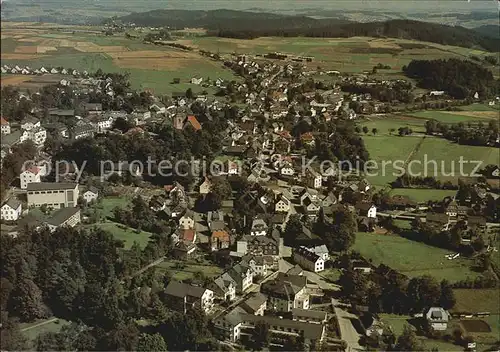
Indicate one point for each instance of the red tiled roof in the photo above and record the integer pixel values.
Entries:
(34, 170)
(168, 188)
(194, 122)
(187, 235)
(3, 121)
(221, 235)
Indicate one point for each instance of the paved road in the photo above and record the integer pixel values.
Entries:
(347, 331)
(48, 321)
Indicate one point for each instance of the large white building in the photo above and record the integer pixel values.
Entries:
(31, 175)
(53, 194)
(308, 259)
(11, 210)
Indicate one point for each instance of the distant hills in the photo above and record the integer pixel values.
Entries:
(243, 24)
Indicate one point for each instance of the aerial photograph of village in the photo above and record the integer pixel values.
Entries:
(219, 175)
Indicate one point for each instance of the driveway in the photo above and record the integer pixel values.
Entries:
(347, 331)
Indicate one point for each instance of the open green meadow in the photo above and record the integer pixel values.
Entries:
(423, 195)
(388, 149)
(412, 258)
(384, 124)
(454, 116)
(477, 300)
(447, 157)
(125, 234)
(107, 205)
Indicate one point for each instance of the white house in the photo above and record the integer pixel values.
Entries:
(11, 210)
(259, 227)
(30, 123)
(313, 178)
(31, 175)
(91, 194)
(438, 318)
(5, 126)
(282, 204)
(196, 81)
(308, 259)
(367, 209)
(103, 123)
(38, 135)
(187, 220)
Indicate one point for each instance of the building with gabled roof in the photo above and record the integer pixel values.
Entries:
(5, 126)
(11, 210)
(182, 297)
(286, 292)
(31, 175)
(308, 259)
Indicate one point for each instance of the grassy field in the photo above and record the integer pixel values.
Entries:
(355, 54)
(125, 234)
(383, 124)
(423, 195)
(108, 204)
(388, 149)
(458, 116)
(187, 272)
(397, 323)
(477, 300)
(412, 258)
(447, 156)
(32, 330)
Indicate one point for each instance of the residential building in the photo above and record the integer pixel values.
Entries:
(286, 292)
(242, 276)
(309, 316)
(219, 239)
(258, 245)
(438, 318)
(11, 210)
(68, 217)
(283, 203)
(92, 108)
(37, 135)
(187, 220)
(31, 175)
(183, 297)
(231, 325)
(53, 194)
(85, 130)
(224, 287)
(30, 123)
(184, 250)
(367, 209)
(5, 126)
(308, 259)
(91, 194)
(313, 178)
(103, 123)
(259, 264)
(205, 186)
(256, 304)
(259, 227)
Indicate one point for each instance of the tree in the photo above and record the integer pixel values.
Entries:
(447, 299)
(374, 131)
(365, 130)
(153, 343)
(122, 124)
(408, 340)
(392, 130)
(293, 228)
(261, 335)
(423, 292)
(189, 94)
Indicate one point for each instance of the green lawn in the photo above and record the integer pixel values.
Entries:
(397, 323)
(388, 149)
(449, 117)
(412, 258)
(32, 330)
(108, 204)
(447, 157)
(125, 234)
(480, 107)
(207, 268)
(423, 195)
(384, 124)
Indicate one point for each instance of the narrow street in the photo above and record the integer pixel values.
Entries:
(347, 331)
